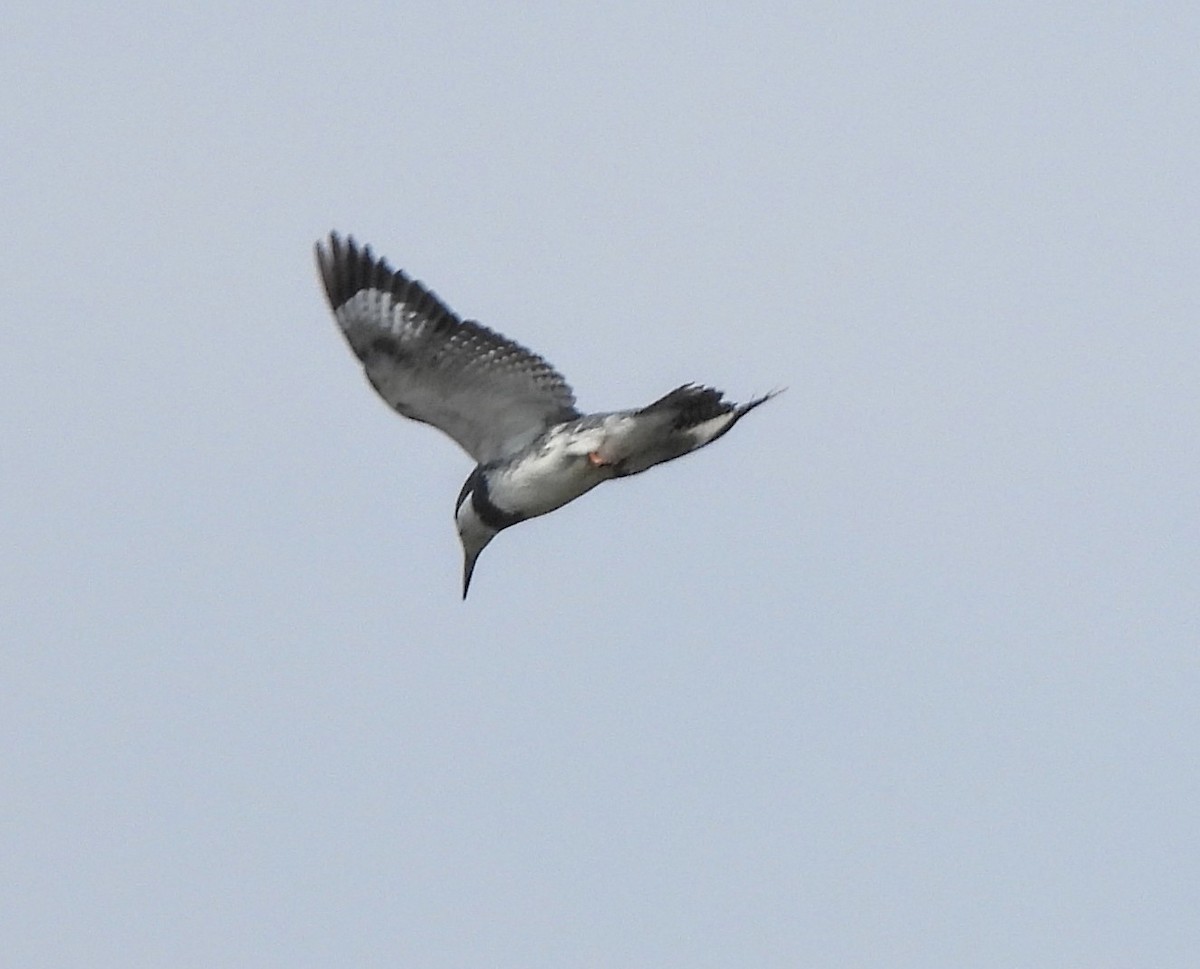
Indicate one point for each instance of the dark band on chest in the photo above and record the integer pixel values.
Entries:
(489, 514)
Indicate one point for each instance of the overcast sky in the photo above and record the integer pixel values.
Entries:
(903, 672)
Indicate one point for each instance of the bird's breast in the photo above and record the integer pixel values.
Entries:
(547, 477)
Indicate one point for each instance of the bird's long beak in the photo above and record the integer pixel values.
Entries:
(469, 561)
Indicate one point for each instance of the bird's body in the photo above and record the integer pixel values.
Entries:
(550, 472)
(506, 406)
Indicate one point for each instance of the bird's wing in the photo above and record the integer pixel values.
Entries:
(488, 393)
(687, 418)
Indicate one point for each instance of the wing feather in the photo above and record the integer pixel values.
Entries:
(491, 395)
(687, 418)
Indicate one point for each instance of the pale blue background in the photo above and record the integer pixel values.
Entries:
(903, 672)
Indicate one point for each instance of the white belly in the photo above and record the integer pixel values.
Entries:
(549, 477)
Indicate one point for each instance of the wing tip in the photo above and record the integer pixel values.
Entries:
(346, 268)
(759, 401)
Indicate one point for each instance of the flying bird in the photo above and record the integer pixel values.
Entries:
(509, 409)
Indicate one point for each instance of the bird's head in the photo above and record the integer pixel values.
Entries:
(473, 531)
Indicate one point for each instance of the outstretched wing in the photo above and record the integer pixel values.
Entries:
(491, 395)
(687, 418)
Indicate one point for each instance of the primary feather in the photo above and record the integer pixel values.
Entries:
(488, 393)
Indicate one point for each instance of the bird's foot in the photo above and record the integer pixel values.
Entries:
(596, 461)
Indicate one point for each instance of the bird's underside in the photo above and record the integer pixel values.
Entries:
(503, 404)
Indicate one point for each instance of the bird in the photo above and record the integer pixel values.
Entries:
(511, 411)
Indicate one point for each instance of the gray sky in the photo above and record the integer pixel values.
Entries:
(902, 672)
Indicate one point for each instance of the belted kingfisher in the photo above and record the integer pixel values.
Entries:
(511, 411)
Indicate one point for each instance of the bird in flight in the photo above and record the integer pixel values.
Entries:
(504, 405)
